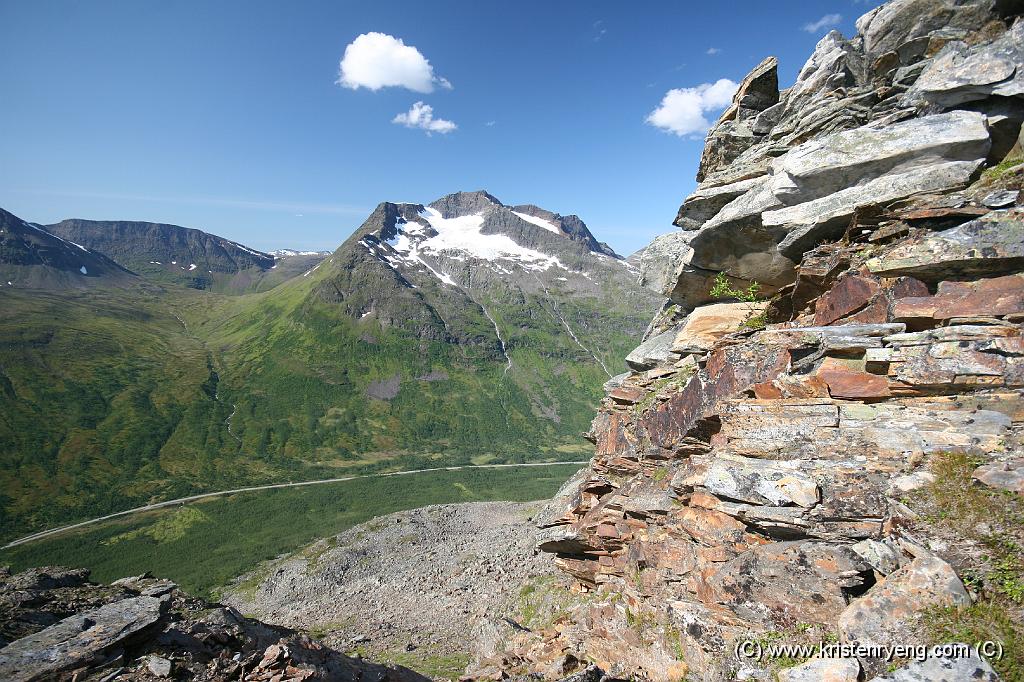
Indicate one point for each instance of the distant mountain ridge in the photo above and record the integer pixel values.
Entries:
(184, 254)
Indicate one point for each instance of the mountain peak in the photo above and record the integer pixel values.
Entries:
(465, 203)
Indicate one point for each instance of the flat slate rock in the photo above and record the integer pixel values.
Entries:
(76, 639)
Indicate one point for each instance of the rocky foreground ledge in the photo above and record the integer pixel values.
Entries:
(56, 625)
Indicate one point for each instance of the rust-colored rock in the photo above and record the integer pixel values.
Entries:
(852, 384)
(850, 294)
(994, 297)
(627, 394)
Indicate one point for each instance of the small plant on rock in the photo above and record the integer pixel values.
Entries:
(721, 288)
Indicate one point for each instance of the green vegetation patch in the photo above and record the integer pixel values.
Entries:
(203, 547)
(989, 523)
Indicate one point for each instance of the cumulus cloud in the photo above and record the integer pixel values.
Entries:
(827, 21)
(682, 110)
(713, 51)
(377, 60)
(421, 116)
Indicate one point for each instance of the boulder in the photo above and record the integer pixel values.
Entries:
(884, 615)
(707, 324)
(823, 670)
(77, 640)
(990, 245)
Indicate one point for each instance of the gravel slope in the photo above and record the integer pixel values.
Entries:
(431, 579)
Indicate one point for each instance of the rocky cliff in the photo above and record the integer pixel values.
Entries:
(837, 461)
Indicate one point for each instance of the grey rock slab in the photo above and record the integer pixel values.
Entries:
(889, 26)
(651, 352)
(990, 245)
(1003, 199)
(807, 224)
(659, 261)
(957, 332)
(703, 204)
(827, 165)
(77, 639)
(938, 669)
(760, 482)
(159, 666)
(615, 381)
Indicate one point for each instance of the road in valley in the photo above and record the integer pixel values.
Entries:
(192, 498)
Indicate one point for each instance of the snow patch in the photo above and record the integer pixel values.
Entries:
(192, 267)
(284, 253)
(462, 234)
(247, 249)
(83, 270)
(539, 222)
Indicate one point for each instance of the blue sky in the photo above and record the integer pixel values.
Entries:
(229, 117)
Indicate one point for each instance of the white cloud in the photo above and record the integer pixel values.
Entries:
(377, 60)
(421, 116)
(682, 110)
(713, 51)
(827, 21)
(490, 123)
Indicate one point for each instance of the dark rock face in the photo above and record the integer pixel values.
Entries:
(30, 256)
(60, 626)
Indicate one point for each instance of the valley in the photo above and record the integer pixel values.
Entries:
(206, 544)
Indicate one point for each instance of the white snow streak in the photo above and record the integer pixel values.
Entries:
(539, 222)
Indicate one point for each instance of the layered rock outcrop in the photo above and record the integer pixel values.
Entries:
(750, 471)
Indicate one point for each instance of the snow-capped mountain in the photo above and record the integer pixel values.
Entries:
(445, 269)
(467, 238)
